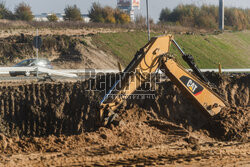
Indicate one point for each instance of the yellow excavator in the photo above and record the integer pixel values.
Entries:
(155, 55)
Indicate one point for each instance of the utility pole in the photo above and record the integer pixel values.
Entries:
(37, 42)
(148, 21)
(37, 53)
(37, 45)
(221, 15)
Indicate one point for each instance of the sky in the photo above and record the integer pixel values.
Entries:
(155, 6)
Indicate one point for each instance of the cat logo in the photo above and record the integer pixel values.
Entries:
(193, 86)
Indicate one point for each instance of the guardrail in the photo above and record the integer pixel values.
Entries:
(6, 70)
(73, 72)
(79, 71)
(56, 72)
(227, 70)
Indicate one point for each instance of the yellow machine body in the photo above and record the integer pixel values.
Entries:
(154, 55)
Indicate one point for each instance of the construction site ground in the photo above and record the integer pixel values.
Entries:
(52, 124)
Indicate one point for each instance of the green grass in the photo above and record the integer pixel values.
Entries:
(232, 49)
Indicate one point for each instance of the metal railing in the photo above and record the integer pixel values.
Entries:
(7, 70)
(74, 72)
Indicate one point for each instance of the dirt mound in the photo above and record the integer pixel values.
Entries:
(171, 104)
(42, 109)
(137, 130)
(63, 50)
(234, 88)
(230, 124)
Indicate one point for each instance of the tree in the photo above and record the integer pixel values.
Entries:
(72, 13)
(96, 13)
(164, 16)
(5, 13)
(23, 12)
(107, 15)
(123, 18)
(52, 17)
(206, 16)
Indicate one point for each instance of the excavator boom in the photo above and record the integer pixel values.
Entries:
(152, 57)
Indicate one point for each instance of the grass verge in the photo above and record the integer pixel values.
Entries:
(231, 49)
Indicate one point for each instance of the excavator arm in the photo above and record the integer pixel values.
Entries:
(153, 56)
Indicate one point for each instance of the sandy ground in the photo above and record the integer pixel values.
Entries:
(132, 144)
(49, 124)
(43, 124)
(172, 154)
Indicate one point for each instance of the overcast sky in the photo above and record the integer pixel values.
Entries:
(155, 6)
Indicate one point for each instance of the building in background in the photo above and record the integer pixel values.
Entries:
(85, 18)
(43, 17)
(129, 6)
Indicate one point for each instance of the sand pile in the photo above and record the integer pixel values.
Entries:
(230, 124)
(43, 109)
(137, 130)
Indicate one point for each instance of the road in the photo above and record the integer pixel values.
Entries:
(33, 78)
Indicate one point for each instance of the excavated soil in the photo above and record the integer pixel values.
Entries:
(64, 51)
(52, 124)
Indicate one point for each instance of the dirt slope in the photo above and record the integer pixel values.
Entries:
(38, 109)
(51, 124)
(65, 51)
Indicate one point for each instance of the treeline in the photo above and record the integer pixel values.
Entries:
(21, 12)
(206, 16)
(97, 13)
